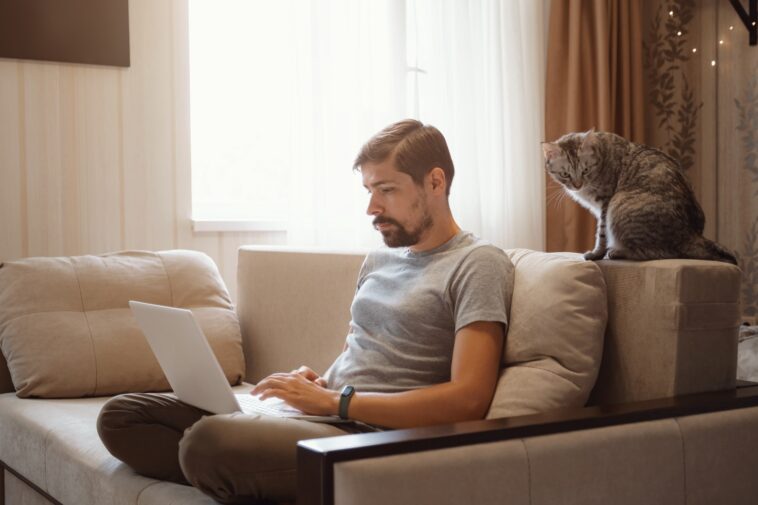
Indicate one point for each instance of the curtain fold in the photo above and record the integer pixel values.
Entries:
(594, 78)
(482, 83)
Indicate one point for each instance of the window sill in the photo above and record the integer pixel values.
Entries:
(207, 225)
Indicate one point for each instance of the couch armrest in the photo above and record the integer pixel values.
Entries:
(672, 329)
(317, 458)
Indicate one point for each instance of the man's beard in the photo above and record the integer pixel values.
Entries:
(399, 236)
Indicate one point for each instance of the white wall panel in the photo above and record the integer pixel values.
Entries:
(96, 159)
(12, 225)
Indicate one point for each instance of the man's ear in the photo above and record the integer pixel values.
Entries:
(437, 180)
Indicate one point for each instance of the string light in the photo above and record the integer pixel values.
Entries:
(679, 33)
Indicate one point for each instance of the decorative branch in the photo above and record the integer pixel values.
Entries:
(674, 106)
(747, 109)
(748, 261)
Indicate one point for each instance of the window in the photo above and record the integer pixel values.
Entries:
(284, 93)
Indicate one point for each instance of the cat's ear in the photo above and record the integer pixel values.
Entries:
(589, 138)
(550, 150)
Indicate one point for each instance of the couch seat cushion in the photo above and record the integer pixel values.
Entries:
(54, 444)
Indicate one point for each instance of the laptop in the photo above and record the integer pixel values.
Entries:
(193, 371)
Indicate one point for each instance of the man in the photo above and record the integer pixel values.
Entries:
(424, 347)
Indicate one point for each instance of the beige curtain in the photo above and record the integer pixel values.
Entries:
(594, 79)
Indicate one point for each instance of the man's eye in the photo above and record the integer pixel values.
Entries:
(387, 190)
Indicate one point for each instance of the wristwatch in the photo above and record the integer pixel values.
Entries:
(345, 396)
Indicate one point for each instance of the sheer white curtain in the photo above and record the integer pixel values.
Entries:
(472, 68)
(482, 85)
(321, 76)
(351, 76)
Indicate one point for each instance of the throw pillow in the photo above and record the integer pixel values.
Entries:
(66, 329)
(554, 343)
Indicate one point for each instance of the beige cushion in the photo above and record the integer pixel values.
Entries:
(54, 444)
(555, 338)
(66, 329)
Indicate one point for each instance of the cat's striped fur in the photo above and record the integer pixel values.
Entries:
(644, 205)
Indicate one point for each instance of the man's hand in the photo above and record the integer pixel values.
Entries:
(309, 374)
(302, 389)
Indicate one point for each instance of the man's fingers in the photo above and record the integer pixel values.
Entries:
(276, 380)
(307, 372)
(274, 393)
(282, 380)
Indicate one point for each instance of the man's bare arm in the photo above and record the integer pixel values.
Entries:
(473, 377)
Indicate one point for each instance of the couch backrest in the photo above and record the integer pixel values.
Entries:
(293, 307)
(672, 324)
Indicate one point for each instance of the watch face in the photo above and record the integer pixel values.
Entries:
(348, 391)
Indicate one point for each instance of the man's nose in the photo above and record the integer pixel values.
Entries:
(373, 208)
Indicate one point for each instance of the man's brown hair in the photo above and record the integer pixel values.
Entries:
(415, 149)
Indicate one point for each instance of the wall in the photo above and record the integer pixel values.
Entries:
(96, 159)
(706, 116)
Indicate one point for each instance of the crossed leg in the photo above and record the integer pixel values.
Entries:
(234, 458)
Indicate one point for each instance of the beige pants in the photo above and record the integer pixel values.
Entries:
(234, 458)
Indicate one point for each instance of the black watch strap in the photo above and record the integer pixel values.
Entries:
(345, 396)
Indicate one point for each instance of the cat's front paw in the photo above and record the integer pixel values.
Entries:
(594, 255)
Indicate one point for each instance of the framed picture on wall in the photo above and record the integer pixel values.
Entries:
(94, 32)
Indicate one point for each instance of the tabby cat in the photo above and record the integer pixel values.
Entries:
(644, 206)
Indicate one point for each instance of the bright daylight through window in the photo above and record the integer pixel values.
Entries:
(283, 94)
(277, 99)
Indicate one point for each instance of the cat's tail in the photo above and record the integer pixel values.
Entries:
(704, 249)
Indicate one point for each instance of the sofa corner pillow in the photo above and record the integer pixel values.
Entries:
(554, 343)
(66, 329)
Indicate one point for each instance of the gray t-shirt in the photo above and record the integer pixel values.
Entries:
(408, 307)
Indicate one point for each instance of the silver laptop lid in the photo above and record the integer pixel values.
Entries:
(186, 357)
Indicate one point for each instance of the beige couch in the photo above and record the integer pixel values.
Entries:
(671, 335)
